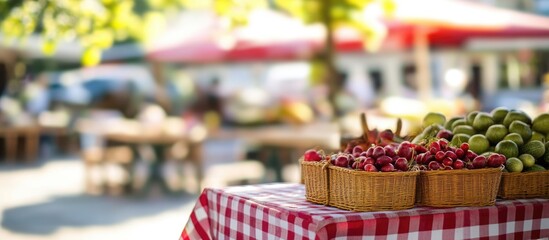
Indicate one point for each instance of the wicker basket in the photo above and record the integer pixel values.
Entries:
(524, 185)
(477, 187)
(315, 177)
(371, 191)
(358, 190)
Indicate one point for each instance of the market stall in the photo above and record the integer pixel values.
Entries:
(461, 178)
(280, 211)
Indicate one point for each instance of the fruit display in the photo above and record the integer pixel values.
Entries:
(376, 158)
(373, 179)
(460, 161)
(442, 156)
(389, 158)
(511, 133)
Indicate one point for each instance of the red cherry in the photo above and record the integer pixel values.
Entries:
(440, 156)
(312, 155)
(494, 160)
(357, 150)
(458, 164)
(405, 151)
(342, 161)
(502, 159)
(370, 160)
(443, 144)
(464, 147)
(446, 134)
(370, 168)
(360, 163)
(401, 164)
(419, 158)
(460, 153)
(378, 152)
(406, 143)
(388, 168)
(428, 157)
(389, 151)
(370, 152)
(451, 155)
(420, 149)
(387, 134)
(383, 160)
(435, 145)
(471, 155)
(447, 161)
(479, 162)
(434, 165)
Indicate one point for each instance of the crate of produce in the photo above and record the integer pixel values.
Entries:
(524, 185)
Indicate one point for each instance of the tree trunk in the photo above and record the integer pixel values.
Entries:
(331, 77)
(160, 83)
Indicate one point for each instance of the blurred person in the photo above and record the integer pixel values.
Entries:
(37, 96)
(3, 78)
(360, 86)
(151, 116)
(345, 100)
(3, 84)
(92, 126)
(410, 84)
(249, 106)
(320, 102)
(213, 96)
(214, 106)
(115, 94)
(105, 161)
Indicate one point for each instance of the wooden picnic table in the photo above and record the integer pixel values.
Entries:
(159, 144)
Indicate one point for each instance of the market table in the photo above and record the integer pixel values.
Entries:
(159, 144)
(11, 135)
(280, 211)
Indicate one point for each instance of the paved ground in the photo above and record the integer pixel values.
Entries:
(46, 201)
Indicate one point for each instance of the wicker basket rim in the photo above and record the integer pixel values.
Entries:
(313, 162)
(381, 174)
(462, 171)
(546, 172)
(352, 171)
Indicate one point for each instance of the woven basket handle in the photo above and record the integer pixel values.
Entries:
(365, 129)
(398, 127)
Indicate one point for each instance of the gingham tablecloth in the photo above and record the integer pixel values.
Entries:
(280, 211)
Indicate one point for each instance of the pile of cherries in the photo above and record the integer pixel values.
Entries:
(439, 155)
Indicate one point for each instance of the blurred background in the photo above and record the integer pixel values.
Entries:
(116, 114)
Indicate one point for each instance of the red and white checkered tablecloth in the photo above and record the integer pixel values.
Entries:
(280, 211)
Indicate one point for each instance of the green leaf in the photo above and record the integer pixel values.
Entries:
(91, 56)
(48, 47)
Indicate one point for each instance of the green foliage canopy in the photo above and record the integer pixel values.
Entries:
(98, 24)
